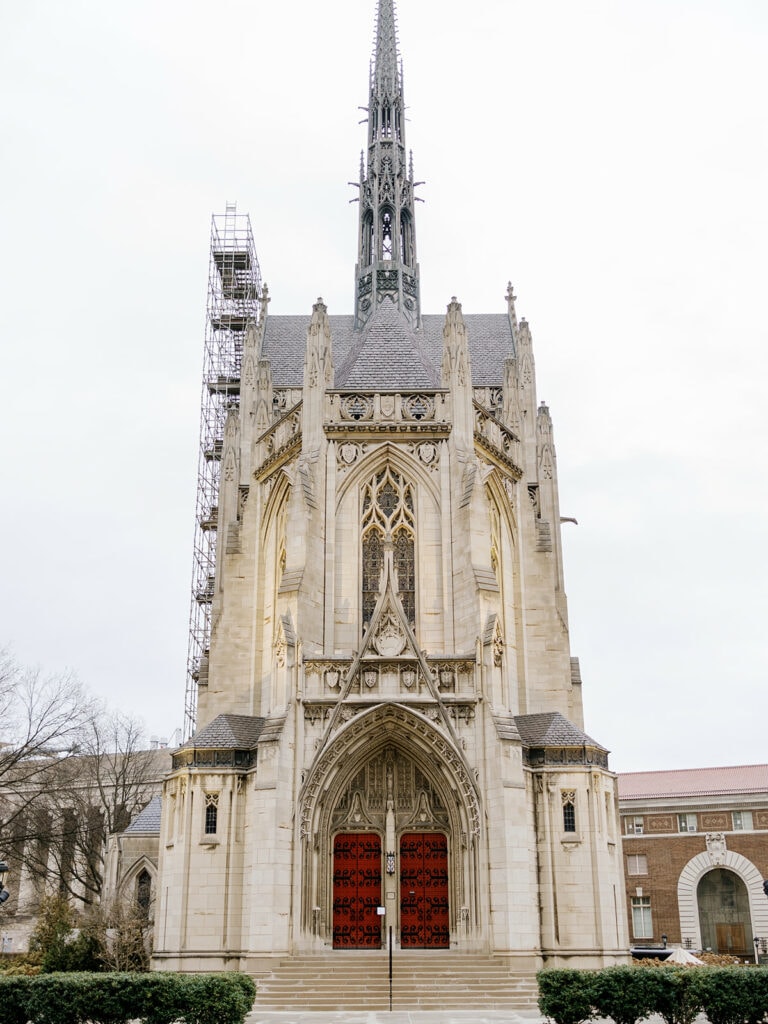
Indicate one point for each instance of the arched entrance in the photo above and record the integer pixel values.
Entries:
(390, 820)
(717, 856)
(726, 925)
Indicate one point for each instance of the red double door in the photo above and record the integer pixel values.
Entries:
(357, 879)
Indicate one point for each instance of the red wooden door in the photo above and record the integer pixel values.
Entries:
(424, 891)
(356, 891)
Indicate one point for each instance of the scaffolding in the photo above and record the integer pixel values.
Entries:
(234, 288)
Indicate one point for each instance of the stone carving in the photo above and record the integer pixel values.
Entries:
(418, 407)
(716, 847)
(356, 407)
(332, 677)
(348, 453)
(390, 639)
(387, 406)
(408, 677)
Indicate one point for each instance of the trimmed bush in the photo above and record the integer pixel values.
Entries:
(674, 994)
(13, 990)
(213, 998)
(566, 995)
(623, 993)
(160, 998)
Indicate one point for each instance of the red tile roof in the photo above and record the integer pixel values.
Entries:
(750, 778)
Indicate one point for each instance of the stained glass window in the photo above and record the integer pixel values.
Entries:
(388, 517)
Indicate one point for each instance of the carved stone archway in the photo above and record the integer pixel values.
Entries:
(390, 771)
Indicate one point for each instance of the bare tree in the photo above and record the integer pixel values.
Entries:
(41, 724)
(71, 773)
(87, 798)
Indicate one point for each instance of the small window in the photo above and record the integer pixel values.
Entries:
(634, 826)
(637, 864)
(641, 917)
(742, 821)
(569, 810)
(686, 823)
(211, 813)
(144, 891)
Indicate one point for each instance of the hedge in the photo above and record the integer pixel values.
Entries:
(155, 998)
(727, 995)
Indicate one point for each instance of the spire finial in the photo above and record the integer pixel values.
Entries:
(386, 254)
(386, 76)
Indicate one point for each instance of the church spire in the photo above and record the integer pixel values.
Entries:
(386, 256)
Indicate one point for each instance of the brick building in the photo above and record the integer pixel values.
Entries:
(695, 846)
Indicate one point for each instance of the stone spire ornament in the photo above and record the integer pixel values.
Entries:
(386, 256)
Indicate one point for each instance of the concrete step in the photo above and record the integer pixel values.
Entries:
(353, 980)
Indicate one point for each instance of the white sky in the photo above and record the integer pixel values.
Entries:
(607, 157)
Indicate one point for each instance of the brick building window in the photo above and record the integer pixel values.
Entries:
(641, 917)
(742, 820)
(569, 810)
(686, 823)
(637, 864)
(634, 826)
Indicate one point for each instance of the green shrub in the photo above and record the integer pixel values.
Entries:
(622, 993)
(160, 998)
(673, 994)
(58, 999)
(215, 999)
(118, 998)
(13, 992)
(566, 995)
(81, 953)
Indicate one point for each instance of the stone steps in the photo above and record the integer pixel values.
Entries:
(358, 980)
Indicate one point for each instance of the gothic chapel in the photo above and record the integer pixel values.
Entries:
(389, 726)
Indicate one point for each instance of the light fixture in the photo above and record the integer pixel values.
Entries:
(390, 863)
(4, 894)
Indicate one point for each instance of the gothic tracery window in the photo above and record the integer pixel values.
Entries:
(388, 518)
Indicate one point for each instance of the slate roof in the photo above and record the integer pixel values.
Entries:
(147, 821)
(687, 782)
(388, 355)
(551, 729)
(229, 732)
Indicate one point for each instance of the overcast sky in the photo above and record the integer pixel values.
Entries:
(609, 158)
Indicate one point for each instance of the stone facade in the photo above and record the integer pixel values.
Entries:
(389, 720)
(695, 847)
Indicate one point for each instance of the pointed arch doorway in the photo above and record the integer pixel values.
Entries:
(390, 793)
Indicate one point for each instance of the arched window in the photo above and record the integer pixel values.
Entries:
(366, 242)
(211, 813)
(569, 810)
(386, 233)
(144, 891)
(406, 243)
(388, 518)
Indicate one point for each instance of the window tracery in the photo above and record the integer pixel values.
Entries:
(388, 517)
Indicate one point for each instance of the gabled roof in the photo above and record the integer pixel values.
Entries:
(688, 782)
(551, 729)
(147, 821)
(229, 732)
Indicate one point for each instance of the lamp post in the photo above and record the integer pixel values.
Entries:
(757, 957)
(4, 894)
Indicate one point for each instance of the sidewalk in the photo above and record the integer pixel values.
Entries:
(413, 1017)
